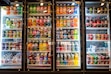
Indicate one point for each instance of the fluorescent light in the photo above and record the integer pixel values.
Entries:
(102, 4)
(16, 5)
(41, 4)
(73, 3)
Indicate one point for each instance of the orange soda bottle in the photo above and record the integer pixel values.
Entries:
(57, 22)
(61, 9)
(57, 9)
(75, 21)
(49, 10)
(64, 9)
(30, 21)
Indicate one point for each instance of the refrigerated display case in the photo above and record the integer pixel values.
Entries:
(11, 36)
(97, 35)
(39, 37)
(68, 48)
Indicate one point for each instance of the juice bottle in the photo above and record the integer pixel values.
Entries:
(61, 21)
(41, 9)
(61, 9)
(65, 59)
(34, 8)
(64, 9)
(75, 34)
(69, 59)
(49, 9)
(30, 21)
(61, 60)
(57, 9)
(34, 21)
(76, 59)
(48, 21)
(57, 22)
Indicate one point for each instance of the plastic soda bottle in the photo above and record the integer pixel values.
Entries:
(61, 9)
(64, 9)
(57, 9)
(30, 9)
(76, 59)
(49, 10)
(57, 22)
(34, 21)
(30, 21)
(44, 46)
(40, 46)
(61, 21)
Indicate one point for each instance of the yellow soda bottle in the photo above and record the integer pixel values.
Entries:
(44, 46)
(57, 22)
(76, 59)
(61, 21)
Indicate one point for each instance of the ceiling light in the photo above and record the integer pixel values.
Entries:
(102, 4)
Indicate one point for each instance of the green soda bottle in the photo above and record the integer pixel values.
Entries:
(30, 9)
(34, 8)
(91, 10)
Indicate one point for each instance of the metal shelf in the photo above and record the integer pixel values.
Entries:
(39, 38)
(40, 51)
(39, 64)
(67, 52)
(12, 29)
(96, 14)
(66, 40)
(66, 14)
(11, 50)
(98, 40)
(97, 28)
(11, 38)
(39, 14)
(67, 28)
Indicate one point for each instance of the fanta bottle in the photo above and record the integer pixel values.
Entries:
(30, 21)
(75, 21)
(41, 21)
(65, 21)
(44, 46)
(61, 21)
(57, 9)
(34, 21)
(64, 9)
(29, 46)
(61, 9)
(37, 21)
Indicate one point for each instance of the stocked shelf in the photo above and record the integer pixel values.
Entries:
(11, 64)
(39, 26)
(97, 52)
(13, 16)
(97, 64)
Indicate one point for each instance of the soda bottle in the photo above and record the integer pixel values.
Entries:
(41, 21)
(72, 9)
(38, 9)
(68, 21)
(57, 9)
(44, 46)
(8, 10)
(41, 9)
(68, 8)
(29, 21)
(71, 22)
(90, 10)
(34, 9)
(30, 9)
(61, 9)
(37, 21)
(61, 21)
(48, 21)
(65, 59)
(57, 22)
(61, 60)
(75, 10)
(64, 9)
(40, 46)
(58, 59)
(29, 46)
(76, 59)
(33, 21)
(64, 22)
(45, 8)
(75, 21)
(49, 9)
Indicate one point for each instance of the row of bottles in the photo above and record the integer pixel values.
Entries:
(66, 9)
(67, 46)
(41, 32)
(39, 58)
(97, 59)
(67, 34)
(14, 10)
(12, 46)
(12, 34)
(97, 36)
(13, 23)
(96, 10)
(69, 59)
(100, 21)
(44, 45)
(11, 58)
(66, 21)
(39, 21)
(37, 9)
